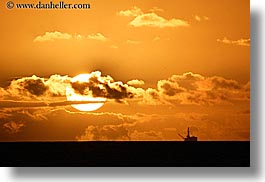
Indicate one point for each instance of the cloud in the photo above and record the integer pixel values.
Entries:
(146, 136)
(186, 88)
(134, 11)
(133, 42)
(114, 47)
(102, 86)
(156, 9)
(187, 80)
(3, 93)
(57, 84)
(153, 97)
(190, 88)
(206, 18)
(154, 20)
(218, 82)
(169, 88)
(119, 132)
(52, 36)
(30, 86)
(151, 19)
(199, 18)
(14, 104)
(35, 87)
(97, 36)
(105, 133)
(38, 92)
(113, 126)
(67, 102)
(156, 39)
(13, 127)
(135, 82)
(30, 104)
(240, 42)
(44, 123)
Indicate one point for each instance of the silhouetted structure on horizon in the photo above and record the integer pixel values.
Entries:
(188, 137)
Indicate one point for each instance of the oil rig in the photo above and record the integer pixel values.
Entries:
(189, 138)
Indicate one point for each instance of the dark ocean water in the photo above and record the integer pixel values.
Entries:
(145, 154)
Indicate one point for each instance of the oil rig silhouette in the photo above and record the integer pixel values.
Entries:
(189, 138)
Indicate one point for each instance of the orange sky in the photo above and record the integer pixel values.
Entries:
(147, 40)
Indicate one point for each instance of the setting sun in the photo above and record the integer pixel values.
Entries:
(71, 95)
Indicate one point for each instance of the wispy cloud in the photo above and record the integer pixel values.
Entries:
(53, 36)
(156, 39)
(156, 9)
(206, 18)
(240, 42)
(114, 47)
(32, 104)
(133, 42)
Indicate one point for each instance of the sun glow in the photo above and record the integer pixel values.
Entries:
(71, 95)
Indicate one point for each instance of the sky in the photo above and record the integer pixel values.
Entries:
(159, 66)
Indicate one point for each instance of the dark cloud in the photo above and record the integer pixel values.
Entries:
(81, 87)
(170, 90)
(37, 88)
(34, 86)
(101, 87)
(222, 83)
(187, 80)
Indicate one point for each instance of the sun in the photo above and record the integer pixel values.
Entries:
(71, 95)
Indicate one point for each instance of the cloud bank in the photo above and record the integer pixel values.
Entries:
(186, 88)
(191, 88)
